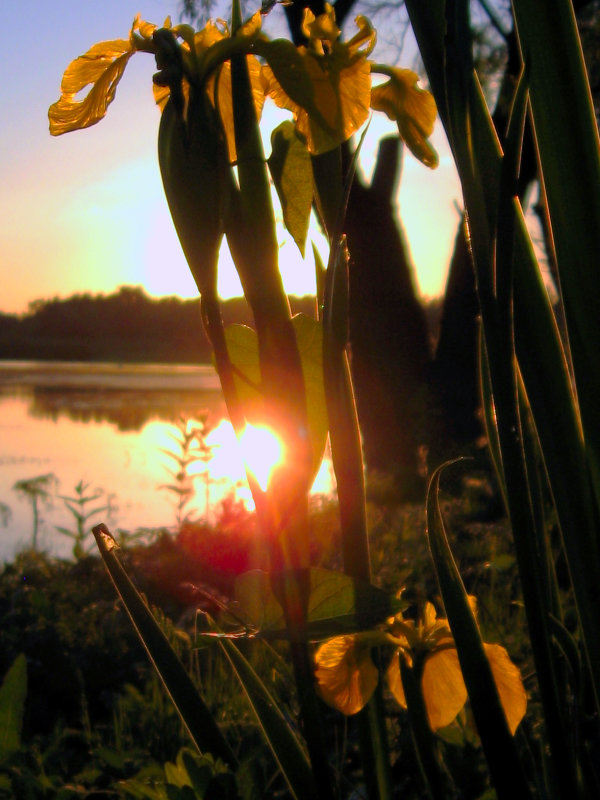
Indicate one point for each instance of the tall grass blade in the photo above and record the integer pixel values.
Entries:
(569, 153)
(277, 731)
(498, 744)
(194, 713)
(545, 374)
(347, 461)
(479, 160)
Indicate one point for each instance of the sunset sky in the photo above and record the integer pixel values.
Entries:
(85, 212)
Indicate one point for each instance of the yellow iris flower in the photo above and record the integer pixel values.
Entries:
(326, 85)
(341, 81)
(347, 677)
(218, 84)
(104, 64)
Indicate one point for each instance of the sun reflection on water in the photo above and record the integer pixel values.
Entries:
(81, 437)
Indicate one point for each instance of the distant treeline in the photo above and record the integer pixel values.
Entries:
(125, 326)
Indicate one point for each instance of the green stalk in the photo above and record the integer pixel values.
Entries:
(253, 242)
(426, 749)
(343, 426)
(254, 247)
(568, 146)
(213, 325)
(348, 467)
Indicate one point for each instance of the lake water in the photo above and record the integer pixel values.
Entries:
(107, 425)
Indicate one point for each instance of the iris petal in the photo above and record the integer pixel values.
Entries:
(509, 684)
(412, 108)
(444, 689)
(346, 676)
(105, 73)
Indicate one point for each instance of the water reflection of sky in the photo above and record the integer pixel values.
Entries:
(112, 439)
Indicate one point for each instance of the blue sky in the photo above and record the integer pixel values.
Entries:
(86, 211)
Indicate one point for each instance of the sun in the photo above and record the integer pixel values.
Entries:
(262, 451)
(258, 450)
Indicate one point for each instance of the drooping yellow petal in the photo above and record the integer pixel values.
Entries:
(104, 68)
(412, 108)
(444, 689)
(101, 67)
(442, 684)
(509, 684)
(366, 38)
(346, 676)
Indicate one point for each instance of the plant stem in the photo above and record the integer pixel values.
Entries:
(425, 745)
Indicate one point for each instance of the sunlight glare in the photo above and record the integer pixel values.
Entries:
(324, 482)
(262, 450)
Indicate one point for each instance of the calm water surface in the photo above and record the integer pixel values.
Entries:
(105, 424)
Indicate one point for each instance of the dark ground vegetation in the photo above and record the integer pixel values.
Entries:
(95, 714)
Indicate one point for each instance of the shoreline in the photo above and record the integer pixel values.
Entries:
(94, 375)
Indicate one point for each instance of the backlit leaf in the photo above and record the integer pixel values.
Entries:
(332, 605)
(291, 171)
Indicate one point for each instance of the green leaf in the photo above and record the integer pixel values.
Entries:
(255, 603)
(291, 171)
(200, 770)
(337, 604)
(12, 705)
(242, 344)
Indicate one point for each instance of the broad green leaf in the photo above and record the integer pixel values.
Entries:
(255, 603)
(291, 171)
(242, 345)
(12, 704)
(337, 604)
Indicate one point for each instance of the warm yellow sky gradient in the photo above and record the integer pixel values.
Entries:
(85, 212)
